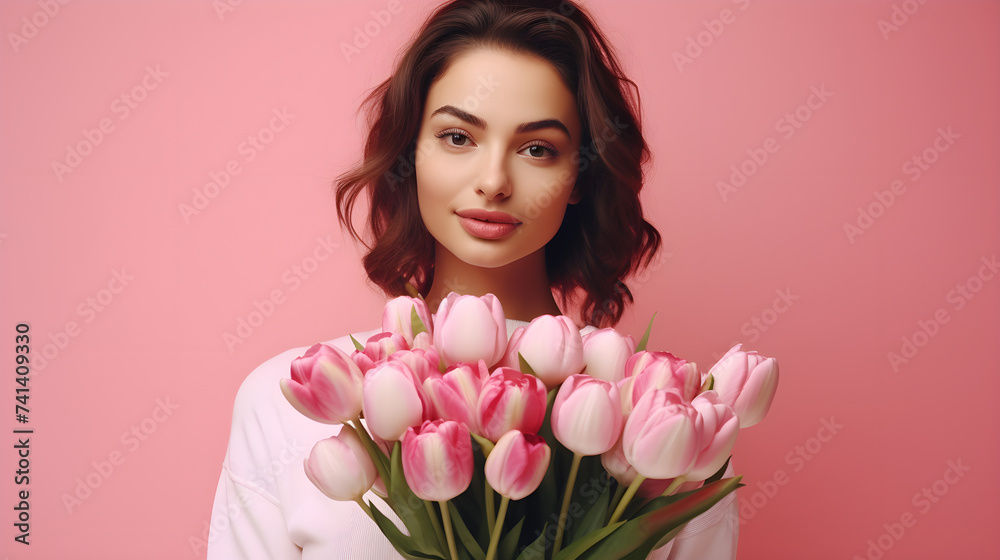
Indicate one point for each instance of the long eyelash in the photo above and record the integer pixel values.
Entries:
(545, 145)
(451, 131)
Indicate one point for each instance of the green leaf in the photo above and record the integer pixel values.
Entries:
(645, 338)
(708, 385)
(536, 550)
(410, 508)
(416, 324)
(584, 544)
(594, 517)
(357, 345)
(464, 535)
(508, 543)
(525, 367)
(402, 543)
(719, 473)
(641, 534)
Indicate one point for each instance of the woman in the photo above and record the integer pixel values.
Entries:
(505, 157)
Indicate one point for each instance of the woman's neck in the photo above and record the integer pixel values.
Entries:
(521, 286)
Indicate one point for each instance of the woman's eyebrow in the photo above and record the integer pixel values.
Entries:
(521, 128)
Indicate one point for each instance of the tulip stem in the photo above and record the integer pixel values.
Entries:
(617, 497)
(570, 482)
(632, 489)
(673, 485)
(434, 521)
(491, 513)
(379, 458)
(491, 553)
(365, 507)
(446, 516)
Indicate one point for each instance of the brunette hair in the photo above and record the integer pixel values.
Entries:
(603, 239)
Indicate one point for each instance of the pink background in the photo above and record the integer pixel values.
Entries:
(844, 492)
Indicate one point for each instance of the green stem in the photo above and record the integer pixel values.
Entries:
(573, 469)
(632, 488)
(365, 507)
(491, 513)
(495, 535)
(446, 516)
(434, 522)
(379, 458)
(673, 485)
(617, 497)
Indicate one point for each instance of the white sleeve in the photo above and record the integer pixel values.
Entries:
(265, 507)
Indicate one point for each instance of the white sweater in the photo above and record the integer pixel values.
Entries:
(265, 508)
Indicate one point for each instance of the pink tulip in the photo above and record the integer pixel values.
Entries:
(510, 400)
(661, 436)
(423, 341)
(587, 415)
(718, 434)
(393, 400)
(455, 394)
(364, 363)
(397, 317)
(341, 467)
(437, 460)
(662, 370)
(517, 464)
(382, 345)
(325, 385)
(469, 328)
(746, 381)
(551, 345)
(424, 363)
(605, 353)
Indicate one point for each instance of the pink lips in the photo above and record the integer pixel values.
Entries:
(485, 224)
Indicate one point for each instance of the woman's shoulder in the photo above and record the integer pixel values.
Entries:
(264, 423)
(263, 380)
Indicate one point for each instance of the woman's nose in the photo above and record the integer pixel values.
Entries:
(494, 180)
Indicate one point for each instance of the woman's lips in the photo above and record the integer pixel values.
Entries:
(486, 224)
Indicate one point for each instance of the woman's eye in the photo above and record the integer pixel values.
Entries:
(538, 151)
(456, 139)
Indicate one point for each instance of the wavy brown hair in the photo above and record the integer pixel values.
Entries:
(603, 239)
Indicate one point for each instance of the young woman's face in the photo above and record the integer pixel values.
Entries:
(493, 165)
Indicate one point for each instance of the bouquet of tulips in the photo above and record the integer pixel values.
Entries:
(549, 445)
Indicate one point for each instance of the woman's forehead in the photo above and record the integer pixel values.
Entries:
(504, 90)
